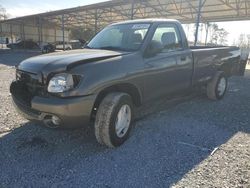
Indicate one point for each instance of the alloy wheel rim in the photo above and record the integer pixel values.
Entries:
(221, 86)
(123, 120)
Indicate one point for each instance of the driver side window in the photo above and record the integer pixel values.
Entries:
(167, 35)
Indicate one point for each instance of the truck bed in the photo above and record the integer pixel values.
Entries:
(207, 60)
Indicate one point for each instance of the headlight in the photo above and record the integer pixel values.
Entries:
(60, 83)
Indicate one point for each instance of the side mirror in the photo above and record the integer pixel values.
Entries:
(84, 45)
(153, 49)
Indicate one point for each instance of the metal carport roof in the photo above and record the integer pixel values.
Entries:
(118, 10)
(98, 15)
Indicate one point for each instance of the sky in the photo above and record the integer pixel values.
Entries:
(234, 29)
(17, 8)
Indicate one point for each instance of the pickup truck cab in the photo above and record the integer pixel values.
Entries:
(123, 66)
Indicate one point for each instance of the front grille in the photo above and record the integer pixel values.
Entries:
(31, 83)
(26, 86)
(19, 90)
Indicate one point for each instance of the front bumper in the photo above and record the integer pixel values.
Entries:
(72, 112)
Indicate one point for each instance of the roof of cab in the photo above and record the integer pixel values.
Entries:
(149, 20)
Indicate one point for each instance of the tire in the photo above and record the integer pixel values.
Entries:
(217, 87)
(107, 119)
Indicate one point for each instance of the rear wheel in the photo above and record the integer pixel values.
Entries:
(114, 119)
(216, 89)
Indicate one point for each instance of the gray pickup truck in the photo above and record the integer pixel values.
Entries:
(123, 66)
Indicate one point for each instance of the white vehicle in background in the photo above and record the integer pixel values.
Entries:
(67, 46)
(77, 44)
(72, 44)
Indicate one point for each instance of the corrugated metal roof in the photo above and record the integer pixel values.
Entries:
(119, 10)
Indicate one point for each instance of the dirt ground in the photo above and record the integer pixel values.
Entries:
(191, 142)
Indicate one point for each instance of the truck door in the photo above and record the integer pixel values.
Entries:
(170, 69)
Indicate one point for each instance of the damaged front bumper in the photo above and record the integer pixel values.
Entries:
(71, 112)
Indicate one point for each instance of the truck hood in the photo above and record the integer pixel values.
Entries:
(62, 61)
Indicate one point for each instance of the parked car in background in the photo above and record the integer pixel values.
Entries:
(77, 44)
(124, 66)
(23, 44)
(72, 44)
(59, 45)
(48, 48)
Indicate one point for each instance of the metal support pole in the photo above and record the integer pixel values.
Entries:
(41, 30)
(11, 34)
(110, 16)
(96, 19)
(20, 32)
(132, 9)
(55, 34)
(23, 27)
(1, 34)
(198, 22)
(206, 33)
(38, 31)
(63, 32)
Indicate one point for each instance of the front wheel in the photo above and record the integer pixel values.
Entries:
(217, 88)
(114, 119)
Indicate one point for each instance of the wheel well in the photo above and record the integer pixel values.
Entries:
(227, 68)
(126, 88)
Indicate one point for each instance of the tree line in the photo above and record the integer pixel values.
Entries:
(3, 13)
(243, 41)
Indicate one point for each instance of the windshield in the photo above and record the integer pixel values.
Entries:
(124, 37)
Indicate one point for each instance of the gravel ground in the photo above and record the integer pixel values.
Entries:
(187, 142)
